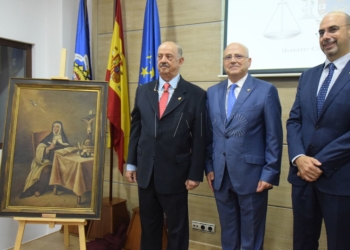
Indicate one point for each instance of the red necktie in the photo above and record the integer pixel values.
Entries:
(164, 99)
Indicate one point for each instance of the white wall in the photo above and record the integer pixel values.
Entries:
(49, 26)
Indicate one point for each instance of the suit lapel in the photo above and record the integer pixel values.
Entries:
(177, 98)
(152, 97)
(222, 99)
(339, 84)
(247, 88)
(313, 88)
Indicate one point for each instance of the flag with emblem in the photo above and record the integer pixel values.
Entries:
(82, 59)
(150, 44)
(118, 94)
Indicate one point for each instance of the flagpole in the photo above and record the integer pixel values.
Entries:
(111, 161)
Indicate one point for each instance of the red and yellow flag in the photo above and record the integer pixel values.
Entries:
(118, 94)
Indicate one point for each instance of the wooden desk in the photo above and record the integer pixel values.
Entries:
(72, 172)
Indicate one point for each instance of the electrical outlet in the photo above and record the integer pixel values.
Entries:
(203, 226)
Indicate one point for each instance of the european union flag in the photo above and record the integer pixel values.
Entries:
(82, 63)
(150, 44)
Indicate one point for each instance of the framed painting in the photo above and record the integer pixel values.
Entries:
(15, 61)
(53, 151)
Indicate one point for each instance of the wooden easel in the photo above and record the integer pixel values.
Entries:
(52, 222)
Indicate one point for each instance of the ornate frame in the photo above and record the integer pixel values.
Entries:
(34, 105)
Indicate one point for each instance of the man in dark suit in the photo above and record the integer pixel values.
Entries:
(244, 150)
(167, 150)
(318, 134)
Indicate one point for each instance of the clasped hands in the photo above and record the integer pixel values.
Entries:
(308, 168)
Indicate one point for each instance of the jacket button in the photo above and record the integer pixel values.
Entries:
(317, 127)
(226, 136)
(312, 145)
(224, 154)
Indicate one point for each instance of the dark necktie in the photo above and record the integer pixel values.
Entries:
(231, 99)
(321, 97)
(164, 99)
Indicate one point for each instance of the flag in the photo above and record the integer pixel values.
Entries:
(118, 94)
(150, 44)
(82, 59)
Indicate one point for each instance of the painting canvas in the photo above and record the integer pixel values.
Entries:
(53, 151)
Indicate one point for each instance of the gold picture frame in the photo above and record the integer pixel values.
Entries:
(53, 152)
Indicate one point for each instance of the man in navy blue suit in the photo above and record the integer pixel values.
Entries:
(318, 134)
(243, 151)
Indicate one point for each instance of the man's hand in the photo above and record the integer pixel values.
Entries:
(131, 176)
(262, 185)
(308, 168)
(190, 185)
(210, 178)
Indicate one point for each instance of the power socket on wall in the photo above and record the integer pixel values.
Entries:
(203, 226)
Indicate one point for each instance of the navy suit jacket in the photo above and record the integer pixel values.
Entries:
(327, 137)
(171, 148)
(250, 141)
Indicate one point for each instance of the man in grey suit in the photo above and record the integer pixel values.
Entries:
(167, 150)
(243, 151)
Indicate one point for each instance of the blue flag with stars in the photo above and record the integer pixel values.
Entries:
(150, 44)
(82, 59)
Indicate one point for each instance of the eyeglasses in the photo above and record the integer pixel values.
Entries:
(169, 57)
(237, 57)
(333, 29)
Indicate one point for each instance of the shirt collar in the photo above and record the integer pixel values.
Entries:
(340, 62)
(173, 82)
(239, 83)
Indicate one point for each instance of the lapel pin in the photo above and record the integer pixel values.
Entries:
(179, 98)
(248, 90)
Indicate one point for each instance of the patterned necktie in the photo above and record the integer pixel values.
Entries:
(164, 99)
(324, 88)
(231, 99)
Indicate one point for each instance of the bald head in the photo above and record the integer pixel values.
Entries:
(236, 61)
(334, 34)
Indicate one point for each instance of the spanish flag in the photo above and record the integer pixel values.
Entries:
(118, 94)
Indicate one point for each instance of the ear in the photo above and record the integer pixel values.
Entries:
(249, 62)
(181, 61)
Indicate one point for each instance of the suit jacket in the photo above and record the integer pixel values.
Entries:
(172, 147)
(250, 141)
(327, 137)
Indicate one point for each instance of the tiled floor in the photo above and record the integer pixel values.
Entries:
(54, 241)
